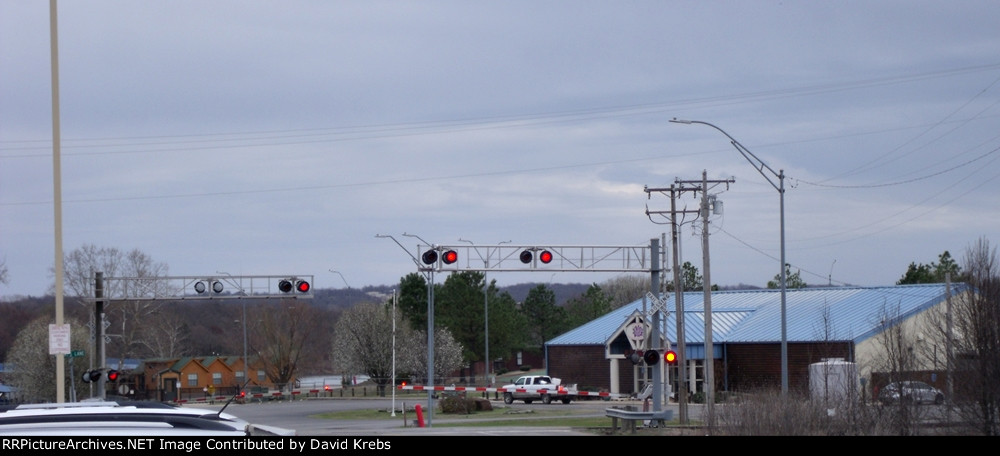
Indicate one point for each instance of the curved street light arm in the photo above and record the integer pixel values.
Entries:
(400, 246)
(757, 163)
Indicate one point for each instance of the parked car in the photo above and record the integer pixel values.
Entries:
(911, 392)
(104, 418)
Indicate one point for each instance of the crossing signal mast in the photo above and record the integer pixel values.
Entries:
(555, 258)
(217, 286)
(431, 258)
(179, 288)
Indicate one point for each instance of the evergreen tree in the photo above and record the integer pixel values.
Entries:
(792, 280)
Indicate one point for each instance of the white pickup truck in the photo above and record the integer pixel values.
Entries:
(529, 388)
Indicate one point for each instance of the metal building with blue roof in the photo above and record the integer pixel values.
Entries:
(821, 323)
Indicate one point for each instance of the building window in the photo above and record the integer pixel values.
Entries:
(192, 380)
(216, 378)
(239, 378)
(261, 376)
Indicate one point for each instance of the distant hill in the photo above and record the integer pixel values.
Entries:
(348, 297)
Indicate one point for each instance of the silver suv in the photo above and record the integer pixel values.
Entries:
(911, 392)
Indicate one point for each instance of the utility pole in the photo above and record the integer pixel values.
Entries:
(675, 190)
(682, 391)
(682, 399)
(707, 202)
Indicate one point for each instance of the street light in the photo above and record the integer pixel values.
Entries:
(393, 352)
(341, 277)
(780, 187)
(430, 333)
(486, 308)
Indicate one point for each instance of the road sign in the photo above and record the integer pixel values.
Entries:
(59, 339)
(75, 354)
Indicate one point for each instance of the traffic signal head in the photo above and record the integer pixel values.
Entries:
(91, 376)
(285, 285)
(545, 256)
(200, 286)
(526, 256)
(429, 257)
(651, 357)
(670, 357)
(633, 356)
(449, 257)
(95, 375)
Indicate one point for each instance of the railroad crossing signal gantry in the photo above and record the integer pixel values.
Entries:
(209, 286)
(534, 257)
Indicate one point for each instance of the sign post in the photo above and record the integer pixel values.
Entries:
(72, 376)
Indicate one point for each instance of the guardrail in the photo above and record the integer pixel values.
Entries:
(629, 417)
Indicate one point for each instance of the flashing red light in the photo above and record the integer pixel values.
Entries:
(302, 286)
(449, 257)
(545, 257)
(670, 357)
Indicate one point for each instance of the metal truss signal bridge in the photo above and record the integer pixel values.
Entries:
(220, 286)
(513, 258)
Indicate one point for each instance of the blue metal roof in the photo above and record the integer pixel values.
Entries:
(754, 316)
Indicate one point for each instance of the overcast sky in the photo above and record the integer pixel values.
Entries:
(271, 138)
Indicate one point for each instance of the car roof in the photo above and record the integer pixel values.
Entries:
(112, 418)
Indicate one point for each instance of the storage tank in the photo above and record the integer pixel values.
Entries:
(834, 381)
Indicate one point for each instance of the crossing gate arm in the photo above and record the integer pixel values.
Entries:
(506, 390)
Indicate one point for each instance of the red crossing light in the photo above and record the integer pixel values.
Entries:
(670, 357)
(545, 257)
(285, 285)
(449, 257)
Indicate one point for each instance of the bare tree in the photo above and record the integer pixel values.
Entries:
(625, 289)
(975, 338)
(898, 359)
(131, 323)
(169, 338)
(283, 337)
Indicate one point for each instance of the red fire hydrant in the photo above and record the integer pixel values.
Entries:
(420, 415)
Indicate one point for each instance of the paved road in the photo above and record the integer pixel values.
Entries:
(298, 414)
